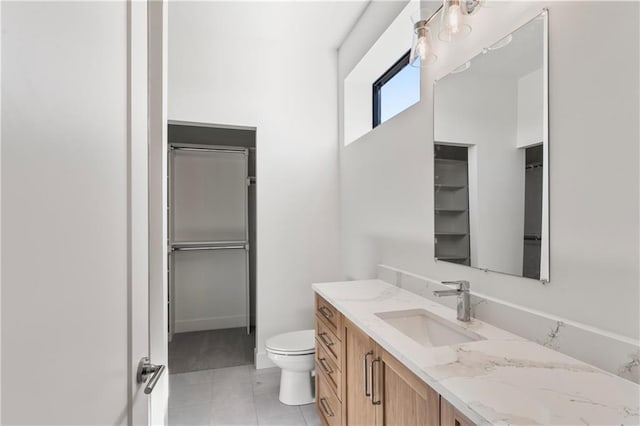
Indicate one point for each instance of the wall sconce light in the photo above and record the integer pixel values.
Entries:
(421, 50)
(452, 27)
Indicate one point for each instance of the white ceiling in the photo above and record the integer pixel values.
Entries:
(319, 23)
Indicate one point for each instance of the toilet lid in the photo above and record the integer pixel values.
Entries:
(295, 342)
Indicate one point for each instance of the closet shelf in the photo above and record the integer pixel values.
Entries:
(450, 161)
(209, 245)
(206, 243)
(450, 210)
(451, 203)
(445, 187)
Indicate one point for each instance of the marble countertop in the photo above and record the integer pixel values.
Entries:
(504, 379)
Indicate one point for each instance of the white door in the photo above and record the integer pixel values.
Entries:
(74, 212)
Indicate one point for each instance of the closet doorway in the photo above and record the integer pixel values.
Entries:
(212, 241)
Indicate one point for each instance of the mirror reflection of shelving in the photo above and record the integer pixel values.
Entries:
(451, 201)
(533, 212)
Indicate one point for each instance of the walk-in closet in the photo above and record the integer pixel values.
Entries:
(211, 219)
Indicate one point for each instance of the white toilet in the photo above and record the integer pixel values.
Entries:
(294, 353)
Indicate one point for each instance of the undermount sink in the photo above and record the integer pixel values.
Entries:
(427, 329)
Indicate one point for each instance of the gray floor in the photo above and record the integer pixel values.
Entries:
(233, 396)
(205, 350)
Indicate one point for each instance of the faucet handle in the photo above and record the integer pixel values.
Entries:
(463, 285)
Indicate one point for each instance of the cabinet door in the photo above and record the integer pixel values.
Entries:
(406, 399)
(359, 351)
(452, 417)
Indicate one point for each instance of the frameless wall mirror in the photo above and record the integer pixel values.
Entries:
(491, 157)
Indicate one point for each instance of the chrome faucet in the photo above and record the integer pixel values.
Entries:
(464, 302)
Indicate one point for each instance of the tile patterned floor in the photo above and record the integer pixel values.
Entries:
(204, 350)
(233, 396)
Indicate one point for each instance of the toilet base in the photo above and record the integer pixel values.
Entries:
(296, 388)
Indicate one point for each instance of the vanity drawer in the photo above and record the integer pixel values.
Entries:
(330, 315)
(328, 341)
(329, 370)
(327, 403)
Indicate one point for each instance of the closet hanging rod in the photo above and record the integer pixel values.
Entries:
(235, 151)
(207, 243)
(243, 246)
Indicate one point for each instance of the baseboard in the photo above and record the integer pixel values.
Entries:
(263, 361)
(214, 323)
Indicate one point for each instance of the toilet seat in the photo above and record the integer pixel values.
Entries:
(293, 343)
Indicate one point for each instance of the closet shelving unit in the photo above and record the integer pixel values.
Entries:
(533, 211)
(176, 245)
(208, 245)
(451, 204)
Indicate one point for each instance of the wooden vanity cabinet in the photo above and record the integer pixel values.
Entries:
(406, 399)
(449, 416)
(379, 390)
(359, 383)
(359, 353)
(329, 363)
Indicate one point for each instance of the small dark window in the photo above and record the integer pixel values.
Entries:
(396, 90)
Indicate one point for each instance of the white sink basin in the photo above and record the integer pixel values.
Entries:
(427, 329)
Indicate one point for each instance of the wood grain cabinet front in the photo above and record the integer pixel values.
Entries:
(329, 361)
(360, 407)
(329, 370)
(328, 314)
(379, 390)
(405, 398)
(449, 416)
(329, 341)
(328, 404)
(359, 383)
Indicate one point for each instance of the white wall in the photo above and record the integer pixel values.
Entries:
(387, 176)
(210, 290)
(387, 49)
(221, 71)
(209, 196)
(530, 108)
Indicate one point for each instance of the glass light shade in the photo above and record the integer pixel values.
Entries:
(421, 49)
(451, 26)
